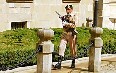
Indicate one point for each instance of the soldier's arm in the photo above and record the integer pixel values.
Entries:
(75, 18)
(72, 19)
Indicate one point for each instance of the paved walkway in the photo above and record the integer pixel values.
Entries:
(108, 66)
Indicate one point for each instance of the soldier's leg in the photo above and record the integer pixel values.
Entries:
(72, 43)
(62, 48)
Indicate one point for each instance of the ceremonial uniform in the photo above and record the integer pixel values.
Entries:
(68, 36)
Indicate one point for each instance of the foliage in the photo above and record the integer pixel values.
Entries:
(17, 45)
(109, 39)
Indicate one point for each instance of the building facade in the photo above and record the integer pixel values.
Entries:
(41, 13)
(107, 14)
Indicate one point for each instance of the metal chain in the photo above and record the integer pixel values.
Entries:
(89, 46)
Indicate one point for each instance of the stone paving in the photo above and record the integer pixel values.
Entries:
(108, 66)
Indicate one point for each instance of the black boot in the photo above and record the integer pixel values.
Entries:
(73, 63)
(58, 65)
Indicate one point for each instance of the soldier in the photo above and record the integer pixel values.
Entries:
(68, 36)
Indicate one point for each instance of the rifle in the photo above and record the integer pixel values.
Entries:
(64, 18)
(59, 15)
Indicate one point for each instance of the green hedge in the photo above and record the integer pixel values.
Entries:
(109, 39)
(16, 45)
(14, 57)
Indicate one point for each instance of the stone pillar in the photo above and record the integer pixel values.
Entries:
(89, 22)
(44, 57)
(95, 50)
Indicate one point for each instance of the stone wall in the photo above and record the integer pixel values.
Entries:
(3, 15)
(44, 14)
(85, 11)
(41, 13)
(106, 14)
(14, 12)
(113, 14)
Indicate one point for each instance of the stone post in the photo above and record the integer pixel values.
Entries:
(44, 57)
(89, 22)
(95, 50)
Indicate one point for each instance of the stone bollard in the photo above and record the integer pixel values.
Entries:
(89, 22)
(95, 50)
(44, 57)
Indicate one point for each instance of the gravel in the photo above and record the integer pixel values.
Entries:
(109, 68)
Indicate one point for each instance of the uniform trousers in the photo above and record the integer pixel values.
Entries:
(68, 37)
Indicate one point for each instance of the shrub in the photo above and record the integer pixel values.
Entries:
(17, 45)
